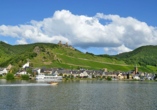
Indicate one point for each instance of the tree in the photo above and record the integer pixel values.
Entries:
(87, 76)
(69, 76)
(61, 74)
(14, 69)
(20, 63)
(10, 76)
(109, 78)
(28, 70)
(104, 76)
(72, 76)
(93, 76)
(31, 65)
(155, 76)
(25, 77)
(78, 68)
(65, 76)
(78, 76)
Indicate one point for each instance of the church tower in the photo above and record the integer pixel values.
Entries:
(136, 69)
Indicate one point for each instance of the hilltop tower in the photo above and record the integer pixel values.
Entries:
(66, 44)
(60, 42)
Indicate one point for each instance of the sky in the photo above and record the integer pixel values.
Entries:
(95, 26)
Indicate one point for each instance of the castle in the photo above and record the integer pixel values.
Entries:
(65, 45)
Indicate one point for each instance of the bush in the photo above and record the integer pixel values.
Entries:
(109, 78)
(155, 76)
(10, 76)
(61, 74)
(98, 77)
(31, 64)
(101, 78)
(68, 76)
(72, 76)
(65, 76)
(93, 76)
(78, 76)
(25, 77)
(104, 76)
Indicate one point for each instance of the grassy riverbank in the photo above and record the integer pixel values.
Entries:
(14, 78)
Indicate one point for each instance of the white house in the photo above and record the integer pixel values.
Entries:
(149, 76)
(3, 70)
(84, 73)
(120, 76)
(21, 72)
(136, 77)
(38, 70)
(26, 65)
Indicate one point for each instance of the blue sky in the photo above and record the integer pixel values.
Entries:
(130, 21)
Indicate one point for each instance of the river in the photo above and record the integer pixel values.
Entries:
(78, 95)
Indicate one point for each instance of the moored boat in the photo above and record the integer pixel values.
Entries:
(48, 77)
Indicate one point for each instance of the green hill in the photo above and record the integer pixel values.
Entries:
(145, 55)
(8, 51)
(53, 55)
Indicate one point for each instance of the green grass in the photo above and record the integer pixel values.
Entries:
(83, 63)
(78, 54)
(153, 68)
(2, 77)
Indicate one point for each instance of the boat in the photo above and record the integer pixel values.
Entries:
(52, 77)
(53, 83)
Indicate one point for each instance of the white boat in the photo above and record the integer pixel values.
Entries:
(48, 77)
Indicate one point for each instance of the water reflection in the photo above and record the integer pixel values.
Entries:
(78, 95)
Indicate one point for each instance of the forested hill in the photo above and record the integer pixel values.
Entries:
(145, 55)
(8, 51)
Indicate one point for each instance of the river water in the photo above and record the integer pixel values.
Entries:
(78, 95)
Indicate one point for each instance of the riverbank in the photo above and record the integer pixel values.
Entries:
(64, 79)
(14, 77)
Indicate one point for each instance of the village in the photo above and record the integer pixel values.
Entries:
(79, 73)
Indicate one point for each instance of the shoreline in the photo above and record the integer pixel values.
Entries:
(77, 79)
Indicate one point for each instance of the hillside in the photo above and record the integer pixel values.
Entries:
(53, 55)
(8, 51)
(145, 55)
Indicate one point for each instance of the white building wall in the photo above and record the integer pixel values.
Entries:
(4, 71)
(23, 72)
(1, 72)
(25, 65)
(38, 71)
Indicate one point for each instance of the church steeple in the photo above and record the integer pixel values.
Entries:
(135, 65)
(136, 69)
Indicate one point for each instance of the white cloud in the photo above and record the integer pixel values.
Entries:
(82, 31)
(22, 41)
(114, 50)
(5, 41)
